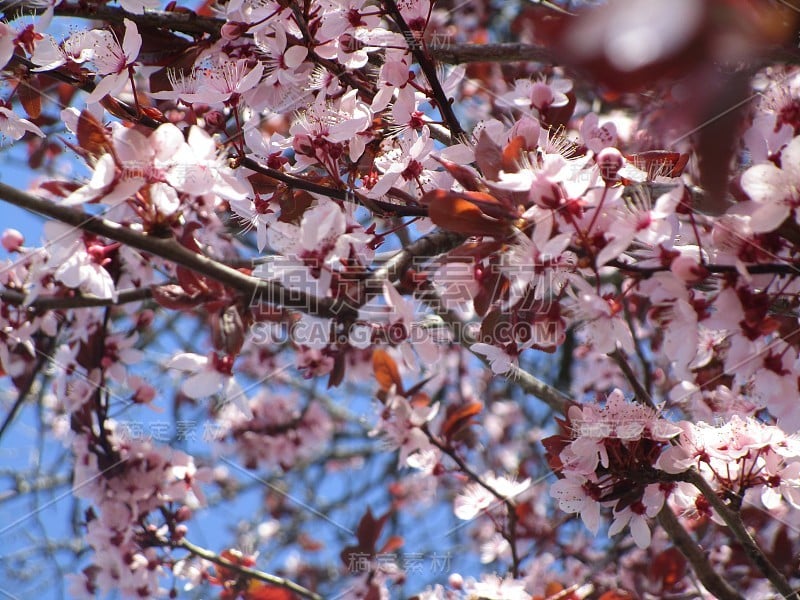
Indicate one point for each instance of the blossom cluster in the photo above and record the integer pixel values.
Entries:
(741, 458)
(627, 457)
(278, 433)
(317, 169)
(126, 483)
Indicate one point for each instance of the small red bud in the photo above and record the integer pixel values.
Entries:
(609, 161)
(184, 513)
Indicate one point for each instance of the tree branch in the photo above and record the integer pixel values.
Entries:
(696, 556)
(507, 52)
(731, 518)
(427, 247)
(170, 250)
(252, 573)
(428, 68)
(292, 181)
(185, 22)
(642, 395)
(740, 533)
(79, 301)
(463, 334)
(787, 268)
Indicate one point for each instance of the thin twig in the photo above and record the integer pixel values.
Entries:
(252, 573)
(463, 333)
(428, 68)
(510, 505)
(642, 395)
(185, 22)
(734, 522)
(294, 182)
(25, 390)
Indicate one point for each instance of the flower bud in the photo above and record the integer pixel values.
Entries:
(215, 121)
(455, 581)
(609, 161)
(179, 533)
(528, 129)
(541, 95)
(184, 513)
(12, 240)
(233, 30)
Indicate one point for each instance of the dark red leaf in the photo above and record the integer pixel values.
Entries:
(369, 530)
(493, 285)
(512, 154)
(457, 212)
(92, 136)
(659, 162)
(393, 543)
(466, 177)
(257, 590)
(386, 372)
(489, 157)
(668, 567)
(30, 97)
(460, 417)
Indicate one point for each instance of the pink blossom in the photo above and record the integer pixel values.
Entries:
(538, 263)
(7, 36)
(782, 482)
(766, 137)
(79, 263)
(77, 48)
(637, 218)
(775, 191)
(15, 127)
(210, 375)
(409, 166)
(596, 136)
(537, 95)
(493, 587)
(114, 60)
(280, 431)
(222, 79)
(602, 318)
(311, 252)
(476, 498)
(319, 136)
(552, 178)
(636, 516)
(401, 429)
(499, 360)
(575, 494)
(347, 28)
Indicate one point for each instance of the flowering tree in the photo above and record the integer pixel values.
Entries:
(347, 299)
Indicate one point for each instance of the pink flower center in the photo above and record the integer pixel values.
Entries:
(222, 364)
(354, 18)
(413, 170)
